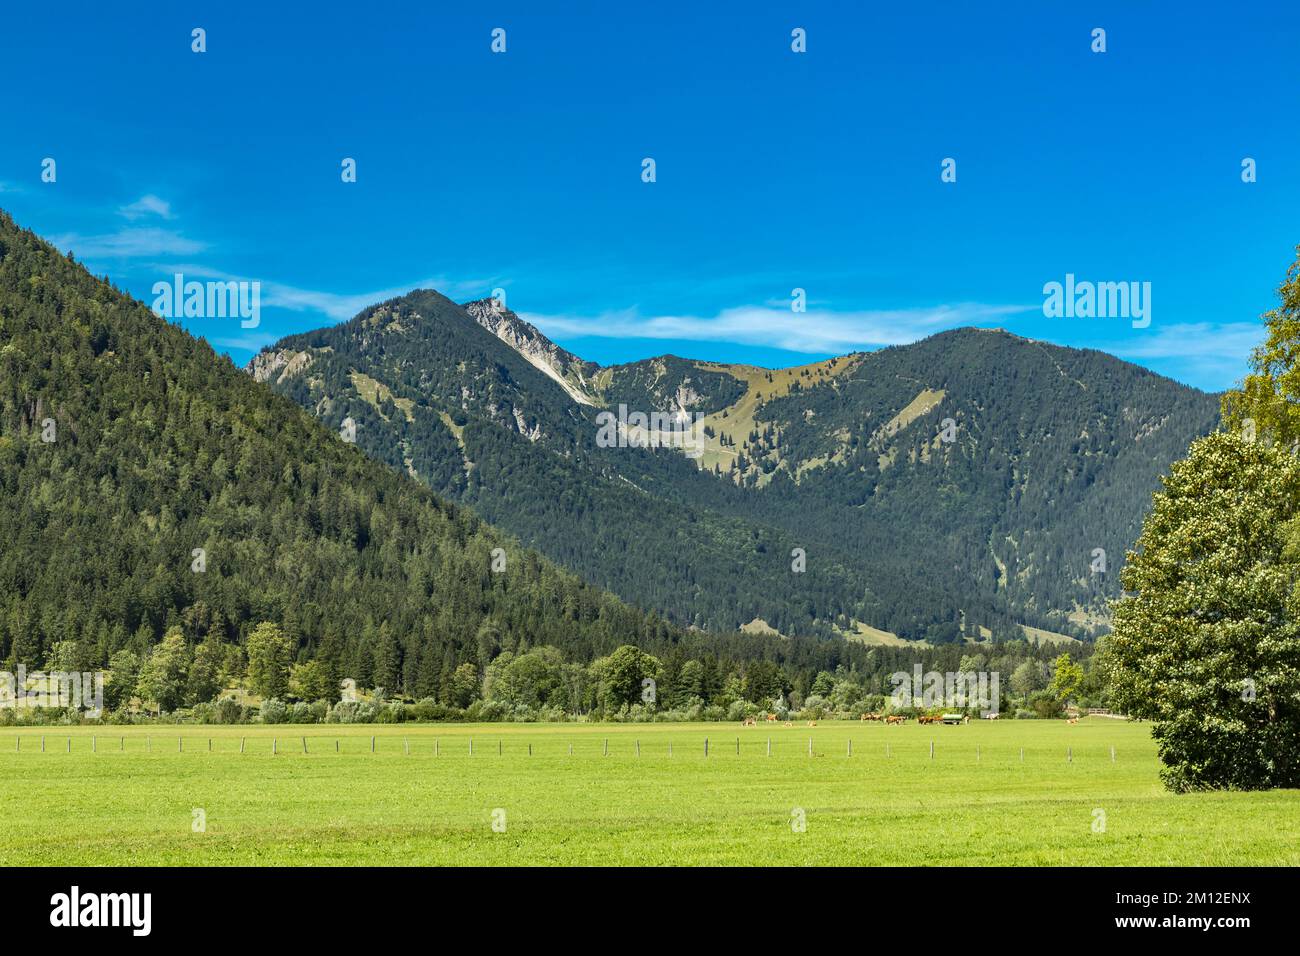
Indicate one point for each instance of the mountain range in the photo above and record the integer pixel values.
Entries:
(971, 485)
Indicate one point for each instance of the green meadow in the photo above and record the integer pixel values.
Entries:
(1040, 793)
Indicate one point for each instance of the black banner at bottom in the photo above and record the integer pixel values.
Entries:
(304, 906)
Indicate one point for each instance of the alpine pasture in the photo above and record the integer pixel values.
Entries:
(1040, 793)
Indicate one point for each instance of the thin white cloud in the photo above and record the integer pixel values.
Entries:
(1191, 340)
(343, 306)
(147, 205)
(1212, 352)
(338, 306)
(815, 331)
(129, 243)
(252, 342)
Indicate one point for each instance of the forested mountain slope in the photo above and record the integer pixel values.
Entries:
(146, 482)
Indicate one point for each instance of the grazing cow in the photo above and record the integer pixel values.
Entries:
(749, 722)
(895, 719)
(771, 718)
(812, 723)
(1073, 720)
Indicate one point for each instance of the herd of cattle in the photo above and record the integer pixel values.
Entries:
(883, 718)
(921, 718)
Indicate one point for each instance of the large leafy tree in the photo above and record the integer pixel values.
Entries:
(270, 652)
(1066, 678)
(1207, 641)
(621, 673)
(1267, 406)
(164, 675)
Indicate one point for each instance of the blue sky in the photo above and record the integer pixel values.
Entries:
(775, 170)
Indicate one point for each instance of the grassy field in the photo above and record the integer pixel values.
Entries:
(132, 799)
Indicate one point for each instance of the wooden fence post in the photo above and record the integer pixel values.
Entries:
(850, 746)
(273, 743)
(304, 745)
(372, 744)
(931, 749)
(241, 745)
(769, 746)
(406, 746)
(606, 753)
(1112, 754)
(1069, 755)
(498, 747)
(638, 748)
(706, 746)
(810, 747)
(94, 747)
(42, 743)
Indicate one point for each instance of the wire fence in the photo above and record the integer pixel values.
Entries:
(547, 746)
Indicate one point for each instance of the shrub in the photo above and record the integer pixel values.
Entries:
(274, 711)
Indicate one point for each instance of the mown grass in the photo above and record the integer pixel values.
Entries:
(131, 800)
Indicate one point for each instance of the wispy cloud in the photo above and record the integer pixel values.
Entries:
(251, 342)
(815, 331)
(147, 205)
(1210, 352)
(129, 243)
(338, 306)
(341, 306)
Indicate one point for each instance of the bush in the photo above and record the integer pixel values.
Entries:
(1045, 705)
(488, 711)
(274, 711)
(740, 709)
(224, 711)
